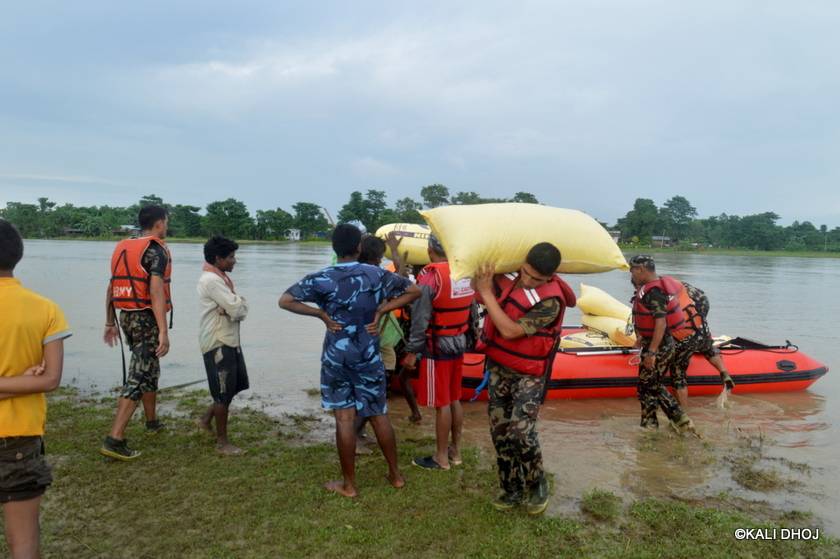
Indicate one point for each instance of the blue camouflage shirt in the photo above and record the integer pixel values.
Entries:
(350, 293)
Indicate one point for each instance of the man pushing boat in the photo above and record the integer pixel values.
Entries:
(657, 314)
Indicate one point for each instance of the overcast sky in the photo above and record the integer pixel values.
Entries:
(586, 104)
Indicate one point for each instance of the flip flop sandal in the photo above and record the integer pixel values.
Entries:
(428, 463)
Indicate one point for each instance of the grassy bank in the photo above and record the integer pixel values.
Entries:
(635, 249)
(180, 499)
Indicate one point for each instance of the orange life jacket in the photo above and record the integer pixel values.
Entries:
(529, 355)
(451, 305)
(399, 314)
(130, 281)
(681, 318)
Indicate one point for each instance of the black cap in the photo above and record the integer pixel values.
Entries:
(644, 260)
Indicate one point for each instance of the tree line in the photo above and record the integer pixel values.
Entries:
(228, 217)
(372, 208)
(644, 225)
(231, 217)
(677, 219)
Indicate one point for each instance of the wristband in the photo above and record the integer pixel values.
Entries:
(110, 325)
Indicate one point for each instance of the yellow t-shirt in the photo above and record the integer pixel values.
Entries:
(27, 323)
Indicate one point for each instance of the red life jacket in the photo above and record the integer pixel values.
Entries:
(681, 318)
(528, 355)
(130, 281)
(451, 305)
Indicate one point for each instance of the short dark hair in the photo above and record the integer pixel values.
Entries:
(149, 215)
(544, 258)
(346, 239)
(373, 249)
(218, 246)
(11, 246)
(643, 260)
(435, 245)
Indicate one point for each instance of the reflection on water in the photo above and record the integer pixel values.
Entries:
(586, 443)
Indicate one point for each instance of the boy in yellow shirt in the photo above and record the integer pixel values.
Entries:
(31, 360)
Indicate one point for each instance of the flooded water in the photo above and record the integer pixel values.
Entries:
(587, 443)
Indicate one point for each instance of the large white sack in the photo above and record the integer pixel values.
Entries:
(414, 242)
(503, 234)
(600, 303)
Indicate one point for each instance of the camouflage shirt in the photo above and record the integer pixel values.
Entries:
(155, 259)
(350, 293)
(541, 315)
(656, 301)
(699, 298)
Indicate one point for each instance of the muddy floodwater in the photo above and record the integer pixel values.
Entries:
(777, 449)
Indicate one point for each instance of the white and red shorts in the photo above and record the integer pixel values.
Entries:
(439, 382)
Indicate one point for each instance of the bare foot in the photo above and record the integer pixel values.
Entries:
(397, 481)
(204, 425)
(338, 487)
(228, 449)
(415, 418)
(454, 457)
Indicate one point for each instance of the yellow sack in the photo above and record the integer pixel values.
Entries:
(600, 303)
(618, 330)
(414, 241)
(587, 338)
(502, 234)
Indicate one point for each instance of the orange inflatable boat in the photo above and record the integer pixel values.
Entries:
(593, 372)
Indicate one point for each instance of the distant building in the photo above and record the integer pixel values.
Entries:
(616, 235)
(660, 241)
(293, 234)
(73, 232)
(126, 230)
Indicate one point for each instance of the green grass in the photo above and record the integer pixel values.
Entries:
(749, 475)
(601, 505)
(181, 499)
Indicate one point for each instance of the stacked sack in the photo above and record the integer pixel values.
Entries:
(604, 313)
(413, 239)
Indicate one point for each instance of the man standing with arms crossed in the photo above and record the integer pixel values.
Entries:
(31, 362)
(141, 271)
(523, 323)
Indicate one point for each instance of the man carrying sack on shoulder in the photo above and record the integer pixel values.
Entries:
(524, 321)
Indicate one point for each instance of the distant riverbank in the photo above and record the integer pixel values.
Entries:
(191, 240)
(636, 249)
(628, 249)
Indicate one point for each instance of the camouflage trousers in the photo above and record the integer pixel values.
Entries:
(684, 350)
(513, 409)
(651, 390)
(140, 334)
